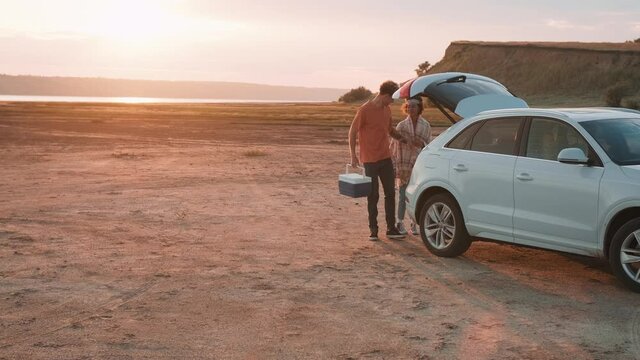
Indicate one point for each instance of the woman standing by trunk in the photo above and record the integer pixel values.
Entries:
(417, 131)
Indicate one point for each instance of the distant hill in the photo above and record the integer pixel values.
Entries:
(547, 73)
(72, 86)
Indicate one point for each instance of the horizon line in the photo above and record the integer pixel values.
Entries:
(173, 81)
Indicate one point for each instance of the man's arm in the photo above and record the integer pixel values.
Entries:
(396, 134)
(353, 133)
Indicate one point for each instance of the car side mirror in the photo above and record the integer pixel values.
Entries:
(573, 156)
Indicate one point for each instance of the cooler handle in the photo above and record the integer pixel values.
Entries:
(346, 170)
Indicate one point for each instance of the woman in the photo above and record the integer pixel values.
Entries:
(418, 133)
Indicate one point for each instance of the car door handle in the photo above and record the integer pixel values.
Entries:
(524, 177)
(460, 168)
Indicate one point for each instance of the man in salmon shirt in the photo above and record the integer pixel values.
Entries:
(372, 126)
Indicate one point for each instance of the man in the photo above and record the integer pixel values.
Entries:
(372, 126)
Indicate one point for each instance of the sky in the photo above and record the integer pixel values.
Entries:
(319, 43)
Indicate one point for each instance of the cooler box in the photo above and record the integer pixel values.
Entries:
(354, 185)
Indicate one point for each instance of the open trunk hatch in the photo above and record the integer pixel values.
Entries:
(461, 93)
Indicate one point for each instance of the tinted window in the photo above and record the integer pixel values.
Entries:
(462, 139)
(497, 136)
(547, 137)
(620, 138)
(450, 94)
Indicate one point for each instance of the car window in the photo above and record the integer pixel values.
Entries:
(450, 93)
(497, 136)
(462, 139)
(619, 138)
(547, 137)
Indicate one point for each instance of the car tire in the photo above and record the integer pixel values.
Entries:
(624, 254)
(442, 227)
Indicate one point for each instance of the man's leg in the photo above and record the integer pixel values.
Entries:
(371, 170)
(387, 178)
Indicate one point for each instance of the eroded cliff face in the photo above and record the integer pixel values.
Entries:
(550, 73)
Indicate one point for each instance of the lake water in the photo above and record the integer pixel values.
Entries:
(139, 100)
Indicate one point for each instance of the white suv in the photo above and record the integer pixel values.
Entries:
(560, 179)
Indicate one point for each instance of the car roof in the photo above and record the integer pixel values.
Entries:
(570, 114)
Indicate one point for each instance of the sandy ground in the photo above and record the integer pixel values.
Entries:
(200, 239)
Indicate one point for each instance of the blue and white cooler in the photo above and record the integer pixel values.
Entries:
(354, 185)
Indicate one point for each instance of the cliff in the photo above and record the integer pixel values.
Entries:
(550, 74)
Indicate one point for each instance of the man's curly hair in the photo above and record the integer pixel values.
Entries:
(388, 88)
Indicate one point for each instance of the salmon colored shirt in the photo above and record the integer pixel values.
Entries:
(373, 123)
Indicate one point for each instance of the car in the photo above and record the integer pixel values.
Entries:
(564, 179)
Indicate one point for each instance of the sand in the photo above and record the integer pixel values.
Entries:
(129, 235)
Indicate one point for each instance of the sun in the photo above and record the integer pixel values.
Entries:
(133, 22)
(142, 23)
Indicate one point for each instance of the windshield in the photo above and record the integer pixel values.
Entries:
(620, 138)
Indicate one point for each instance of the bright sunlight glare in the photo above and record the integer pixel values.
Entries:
(141, 22)
(124, 21)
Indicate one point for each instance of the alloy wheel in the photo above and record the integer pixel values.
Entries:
(440, 225)
(630, 255)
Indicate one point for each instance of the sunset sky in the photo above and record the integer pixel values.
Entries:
(328, 43)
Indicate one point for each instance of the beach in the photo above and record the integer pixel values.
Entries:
(157, 231)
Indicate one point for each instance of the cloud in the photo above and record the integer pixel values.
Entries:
(566, 25)
(560, 24)
(8, 33)
(613, 14)
(58, 35)
(41, 35)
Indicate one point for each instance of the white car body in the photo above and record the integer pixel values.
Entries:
(534, 177)
(563, 207)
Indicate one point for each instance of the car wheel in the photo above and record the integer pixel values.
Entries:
(624, 254)
(442, 227)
